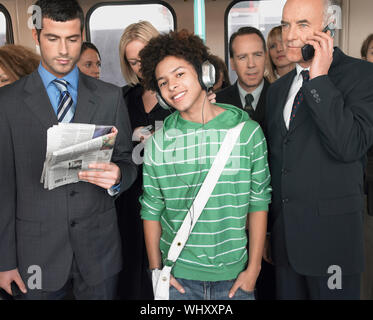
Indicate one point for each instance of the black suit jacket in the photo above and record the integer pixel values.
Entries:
(231, 95)
(47, 228)
(317, 168)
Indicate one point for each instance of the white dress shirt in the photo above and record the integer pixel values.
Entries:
(296, 85)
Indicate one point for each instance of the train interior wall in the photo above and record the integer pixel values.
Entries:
(357, 21)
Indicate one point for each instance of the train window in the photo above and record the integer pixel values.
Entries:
(2, 29)
(6, 32)
(105, 25)
(263, 15)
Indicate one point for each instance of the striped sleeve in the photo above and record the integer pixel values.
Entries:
(260, 195)
(152, 201)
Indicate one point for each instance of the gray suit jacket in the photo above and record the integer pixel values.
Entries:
(46, 228)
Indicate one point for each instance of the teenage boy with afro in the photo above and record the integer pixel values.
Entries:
(214, 263)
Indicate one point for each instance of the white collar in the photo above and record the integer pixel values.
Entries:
(256, 93)
(299, 69)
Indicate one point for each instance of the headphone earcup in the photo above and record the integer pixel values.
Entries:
(161, 102)
(207, 77)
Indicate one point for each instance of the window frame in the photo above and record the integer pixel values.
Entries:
(9, 35)
(226, 39)
(119, 3)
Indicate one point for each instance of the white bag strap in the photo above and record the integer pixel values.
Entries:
(177, 245)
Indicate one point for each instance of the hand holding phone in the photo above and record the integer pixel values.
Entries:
(142, 133)
(308, 51)
(146, 130)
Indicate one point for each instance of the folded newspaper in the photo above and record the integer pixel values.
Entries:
(71, 147)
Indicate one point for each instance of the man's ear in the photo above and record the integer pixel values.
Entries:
(35, 36)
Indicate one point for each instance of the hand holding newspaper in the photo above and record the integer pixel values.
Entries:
(71, 147)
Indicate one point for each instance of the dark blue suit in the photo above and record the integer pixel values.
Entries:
(317, 169)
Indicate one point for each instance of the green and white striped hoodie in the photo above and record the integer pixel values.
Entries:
(176, 162)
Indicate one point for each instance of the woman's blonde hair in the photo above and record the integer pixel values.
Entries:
(18, 61)
(143, 31)
(274, 34)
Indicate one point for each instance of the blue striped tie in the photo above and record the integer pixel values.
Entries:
(65, 110)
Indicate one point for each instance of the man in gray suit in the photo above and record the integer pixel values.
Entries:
(69, 234)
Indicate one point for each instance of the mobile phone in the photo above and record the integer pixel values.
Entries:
(308, 51)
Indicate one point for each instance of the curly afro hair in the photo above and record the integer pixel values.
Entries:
(180, 44)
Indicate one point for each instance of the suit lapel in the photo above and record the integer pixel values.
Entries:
(37, 100)
(87, 101)
(235, 94)
(302, 112)
(260, 107)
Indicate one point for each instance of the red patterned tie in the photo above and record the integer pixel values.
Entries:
(299, 97)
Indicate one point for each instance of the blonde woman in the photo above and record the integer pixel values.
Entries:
(142, 104)
(277, 63)
(143, 111)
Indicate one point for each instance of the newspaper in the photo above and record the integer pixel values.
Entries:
(71, 147)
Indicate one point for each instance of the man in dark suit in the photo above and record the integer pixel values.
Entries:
(69, 235)
(247, 51)
(319, 129)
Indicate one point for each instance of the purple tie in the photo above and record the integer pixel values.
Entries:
(299, 97)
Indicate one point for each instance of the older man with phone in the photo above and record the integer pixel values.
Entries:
(319, 129)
